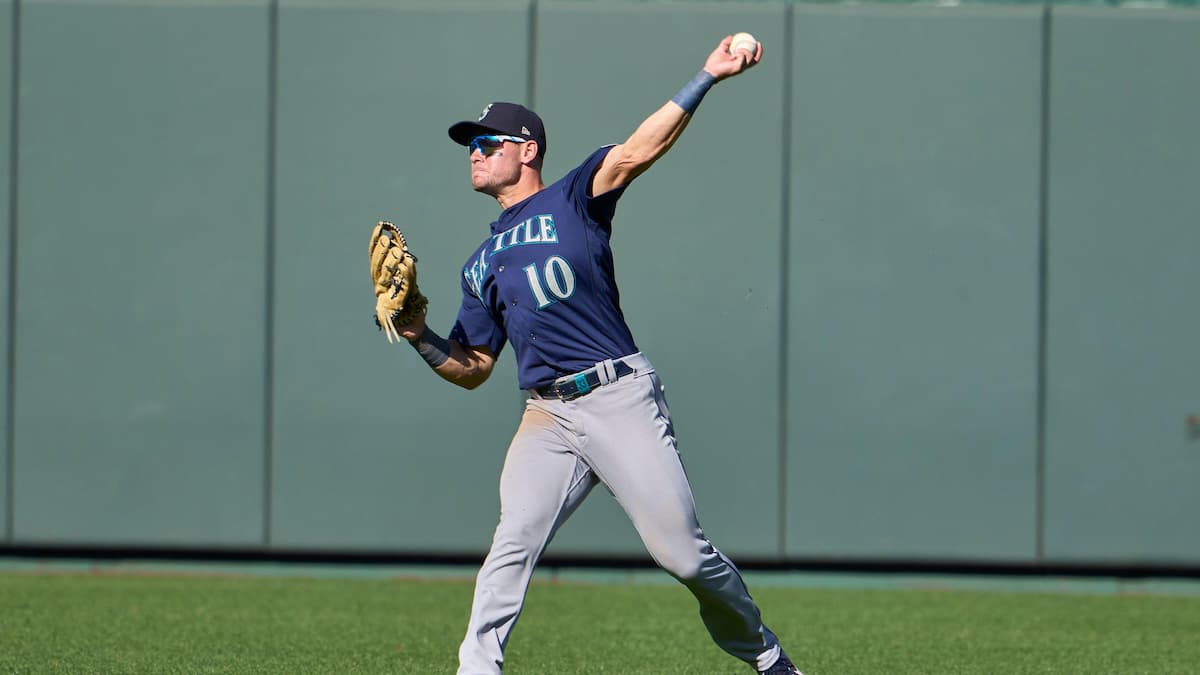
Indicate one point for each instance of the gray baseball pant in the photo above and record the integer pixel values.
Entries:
(619, 434)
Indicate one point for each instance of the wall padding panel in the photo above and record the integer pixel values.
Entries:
(140, 330)
(696, 241)
(913, 282)
(1123, 365)
(366, 93)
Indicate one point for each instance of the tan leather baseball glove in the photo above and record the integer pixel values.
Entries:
(398, 301)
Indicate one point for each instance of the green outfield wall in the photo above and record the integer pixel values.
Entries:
(922, 286)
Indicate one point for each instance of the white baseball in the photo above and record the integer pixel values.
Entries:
(744, 41)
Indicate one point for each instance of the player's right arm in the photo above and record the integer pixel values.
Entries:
(468, 367)
(658, 132)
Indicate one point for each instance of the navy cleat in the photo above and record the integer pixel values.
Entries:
(782, 666)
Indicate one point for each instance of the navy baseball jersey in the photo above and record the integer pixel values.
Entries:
(544, 281)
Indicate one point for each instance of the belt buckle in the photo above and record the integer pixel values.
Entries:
(571, 391)
(574, 388)
(581, 384)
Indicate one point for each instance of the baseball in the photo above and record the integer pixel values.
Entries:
(743, 41)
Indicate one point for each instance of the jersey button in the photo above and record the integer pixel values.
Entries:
(500, 268)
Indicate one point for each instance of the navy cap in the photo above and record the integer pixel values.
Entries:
(500, 118)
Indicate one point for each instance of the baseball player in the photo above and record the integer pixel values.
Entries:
(543, 281)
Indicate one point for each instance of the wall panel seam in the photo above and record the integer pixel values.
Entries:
(11, 355)
(269, 274)
(1042, 289)
(531, 53)
(785, 205)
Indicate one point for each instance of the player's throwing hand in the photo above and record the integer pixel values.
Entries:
(722, 64)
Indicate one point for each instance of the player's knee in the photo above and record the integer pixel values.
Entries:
(511, 553)
(684, 566)
(519, 541)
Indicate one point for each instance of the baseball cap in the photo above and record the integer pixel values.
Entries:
(502, 118)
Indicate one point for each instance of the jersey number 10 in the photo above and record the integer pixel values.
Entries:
(556, 276)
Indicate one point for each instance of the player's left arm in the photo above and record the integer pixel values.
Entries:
(655, 136)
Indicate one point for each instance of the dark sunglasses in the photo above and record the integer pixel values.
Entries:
(488, 145)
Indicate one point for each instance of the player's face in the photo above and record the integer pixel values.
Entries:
(495, 162)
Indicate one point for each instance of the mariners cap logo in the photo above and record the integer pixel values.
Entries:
(487, 109)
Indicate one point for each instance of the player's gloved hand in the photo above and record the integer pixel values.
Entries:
(399, 303)
(411, 331)
(721, 64)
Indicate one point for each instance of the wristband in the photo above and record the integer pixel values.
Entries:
(689, 96)
(432, 347)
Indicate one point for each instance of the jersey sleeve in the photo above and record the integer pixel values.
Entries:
(475, 326)
(600, 208)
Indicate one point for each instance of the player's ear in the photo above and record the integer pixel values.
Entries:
(529, 154)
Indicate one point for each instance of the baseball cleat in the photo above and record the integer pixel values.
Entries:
(782, 666)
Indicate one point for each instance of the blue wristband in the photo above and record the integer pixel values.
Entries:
(689, 97)
(432, 347)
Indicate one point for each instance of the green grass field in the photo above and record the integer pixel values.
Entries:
(162, 623)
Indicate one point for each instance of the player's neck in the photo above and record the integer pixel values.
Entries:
(529, 185)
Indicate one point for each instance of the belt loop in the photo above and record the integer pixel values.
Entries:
(606, 371)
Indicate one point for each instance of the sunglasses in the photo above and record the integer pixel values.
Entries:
(488, 145)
